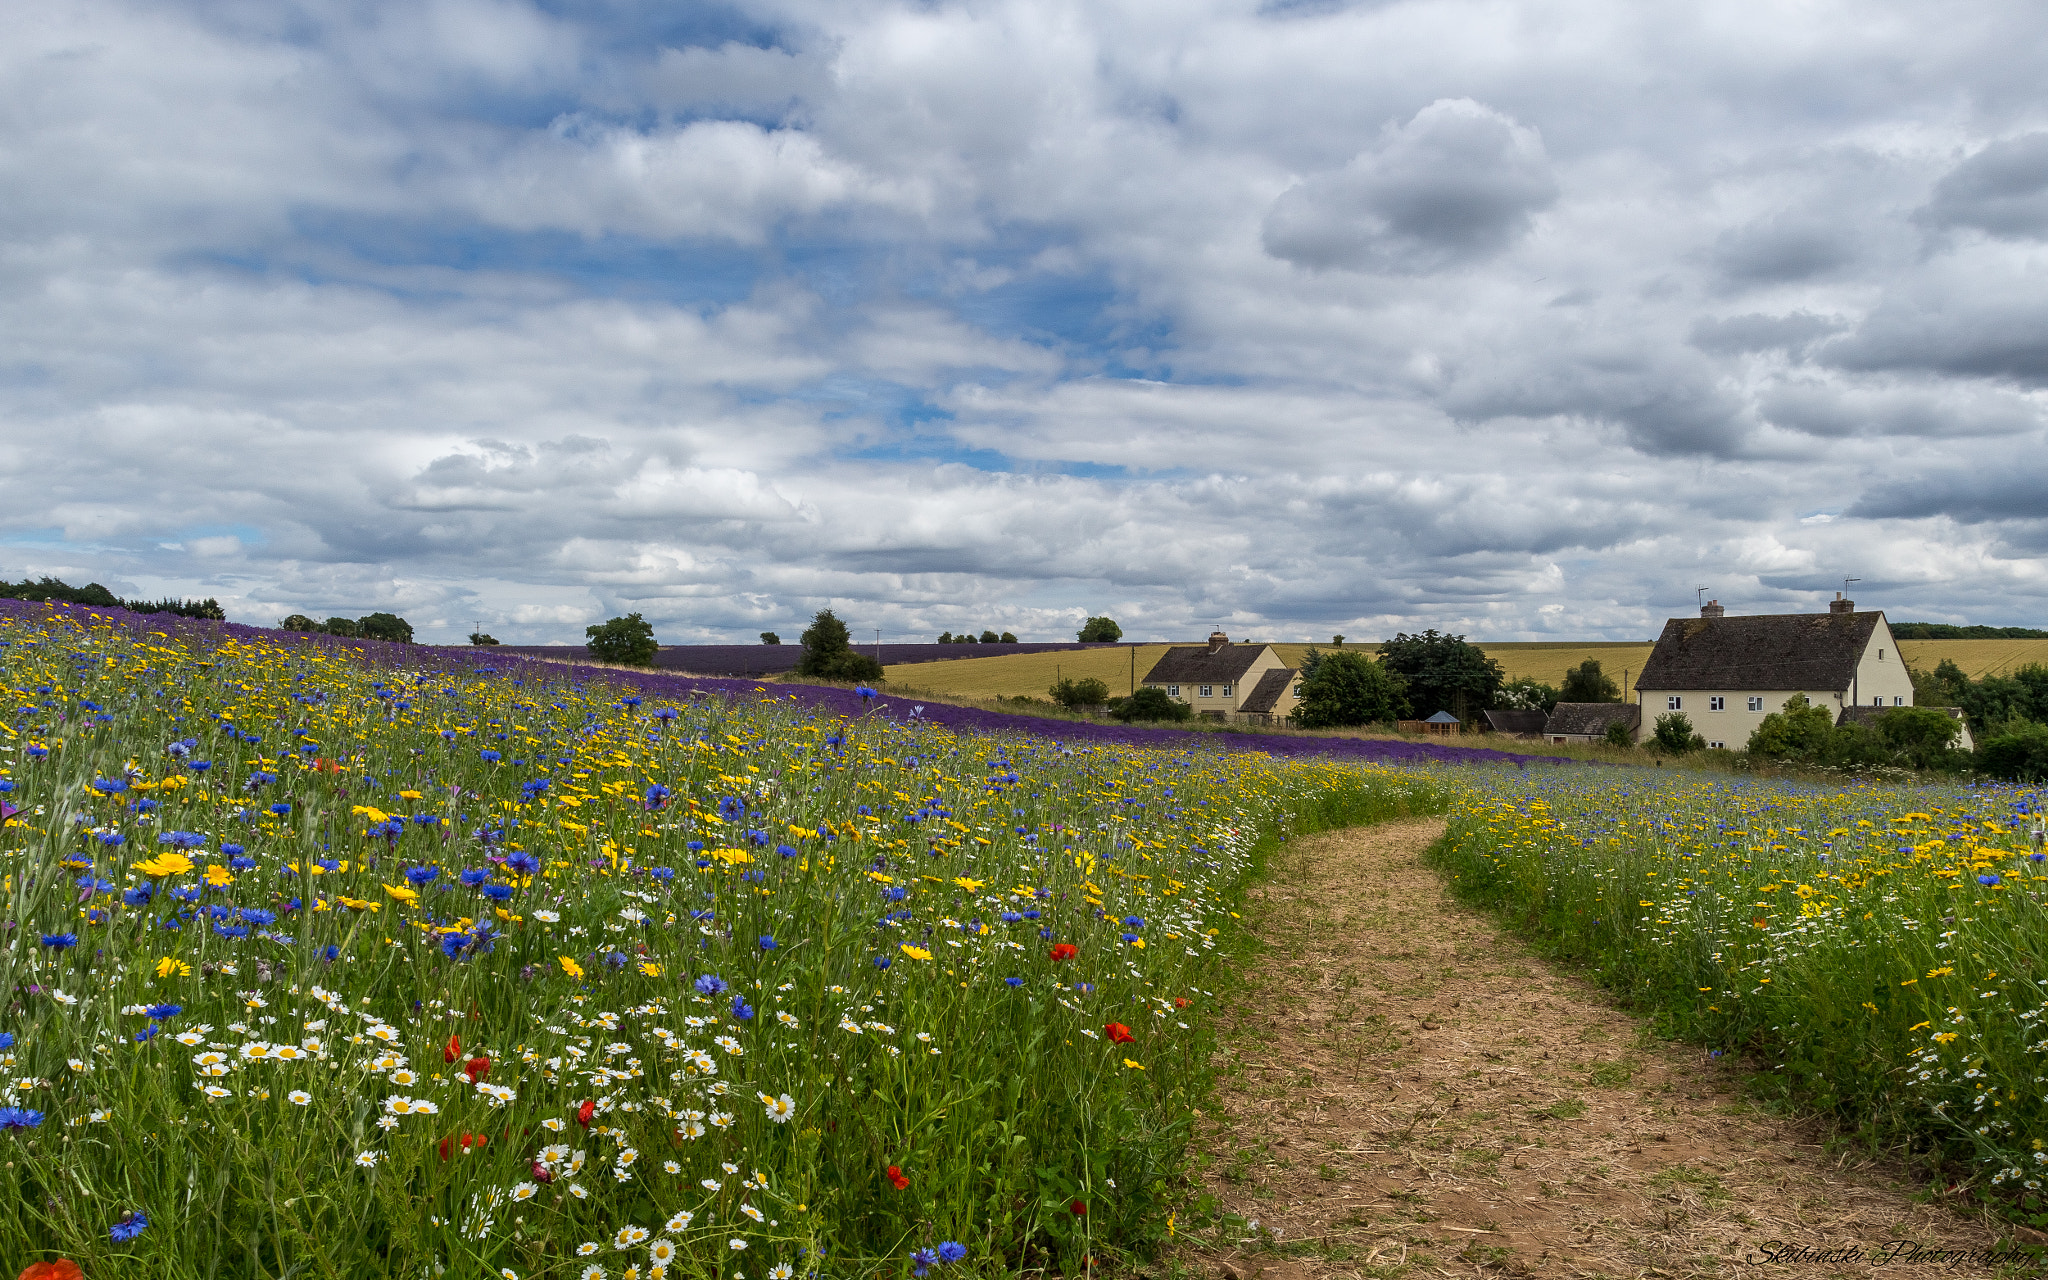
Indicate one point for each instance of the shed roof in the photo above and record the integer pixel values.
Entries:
(1198, 664)
(1265, 695)
(1592, 717)
(1869, 715)
(1443, 717)
(1516, 721)
(1789, 651)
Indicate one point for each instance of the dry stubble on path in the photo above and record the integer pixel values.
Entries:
(1409, 1091)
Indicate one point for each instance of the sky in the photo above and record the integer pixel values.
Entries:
(1292, 317)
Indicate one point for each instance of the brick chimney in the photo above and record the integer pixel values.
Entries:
(1218, 641)
(1712, 609)
(1839, 605)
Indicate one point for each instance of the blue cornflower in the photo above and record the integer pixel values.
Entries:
(243, 863)
(281, 808)
(94, 884)
(741, 1009)
(656, 797)
(109, 786)
(159, 1012)
(147, 1034)
(130, 1226)
(1134, 922)
(952, 1251)
(1990, 880)
(881, 962)
(200, 766)
(422, 875)
(474, 876)
(767, 942)
(258, 916)
(497, 892)
(786, 851)
(923, 1261)
(709, 984)
(1130, 937)
(60, 941)
(489, 756)
(522, 862)
(895, 893)
(1010, 917)
(181, 839)
(663, 874)
(19, 1118)
(1013, 982)
(333, 952)
(113, 839)
(232, 930)
(616, 959)
(695, 846)
(6, 1039)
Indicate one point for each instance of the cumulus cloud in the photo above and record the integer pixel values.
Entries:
(1455, 184)
(1300, 317)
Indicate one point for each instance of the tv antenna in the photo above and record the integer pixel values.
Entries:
(1846, 582)
(1702, 593)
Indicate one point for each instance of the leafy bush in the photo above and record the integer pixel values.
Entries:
(1797, 730)
(1100, 631)
(1620, 735)
(628, 641)
(340, 627)
(1527, 694)
(1150, 703)
(1674, 733)
(829, 653)
(1346, 688)
(298, 622)
(2019, 753)
(769, 637)
(479, 638)
(1084, 692)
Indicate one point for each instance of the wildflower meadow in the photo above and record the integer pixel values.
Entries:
(327, 965)
(1882, 951)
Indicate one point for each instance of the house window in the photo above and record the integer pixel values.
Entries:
(1173, 691)
(1673, 702)
(1878, 701)
(1898, 701)
(1717, 704)
(1226, 690)
(1880, 655)
(1206, 691)
(1716, 745)
(1756, 704)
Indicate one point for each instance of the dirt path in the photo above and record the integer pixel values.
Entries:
(1411, 1092)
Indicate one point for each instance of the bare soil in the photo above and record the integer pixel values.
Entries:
(1409, 1090)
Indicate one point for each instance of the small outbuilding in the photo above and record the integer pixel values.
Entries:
(1588, 722)
(1521, 724)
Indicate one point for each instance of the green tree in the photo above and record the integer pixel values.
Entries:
(945, 637)
(1586, 683)
(1009, 638)
(829, 653)
(769, 637)
(385, 626)
(990, 637)
(341, 627)
(1150, 703)
(1674, 733)
(1923, 737)
(1995, 700)
(628, 641)
(1620, 735)
(1345, 688)
(1443, 673)
(479, 638)
(1100, 631)
(298, 622)
(1084, 692)
(1943, 687)
(1338, 641)
(2020, 752)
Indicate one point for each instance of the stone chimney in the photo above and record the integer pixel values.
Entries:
(1839, 605)
(1218, 641)
(1712, 609)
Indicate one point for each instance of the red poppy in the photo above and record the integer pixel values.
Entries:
(896, 1176)
(1181, 1002)
(541, 1174)
(61, 1269)
(584, 1112)
(1065, 951)
(1080, 1208)
(1118, 1033)
(452, 1050)
(477, 1068)
(469, 1141)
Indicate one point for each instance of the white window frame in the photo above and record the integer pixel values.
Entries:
(1673, 702)
(1717, 704)
(1207, 691)
(1173, 691)
(1756, 704)
(1898, 700)
(1877, 701)
(1716, 746)
(1226, 690)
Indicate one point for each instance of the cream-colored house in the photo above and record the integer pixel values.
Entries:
(1226, 681)
(1726, 674)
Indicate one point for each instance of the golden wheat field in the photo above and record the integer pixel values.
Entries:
(1030, 674)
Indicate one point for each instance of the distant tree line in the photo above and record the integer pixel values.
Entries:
(1945, 631)
(986, 637)
(371, 626)
(96, 596)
